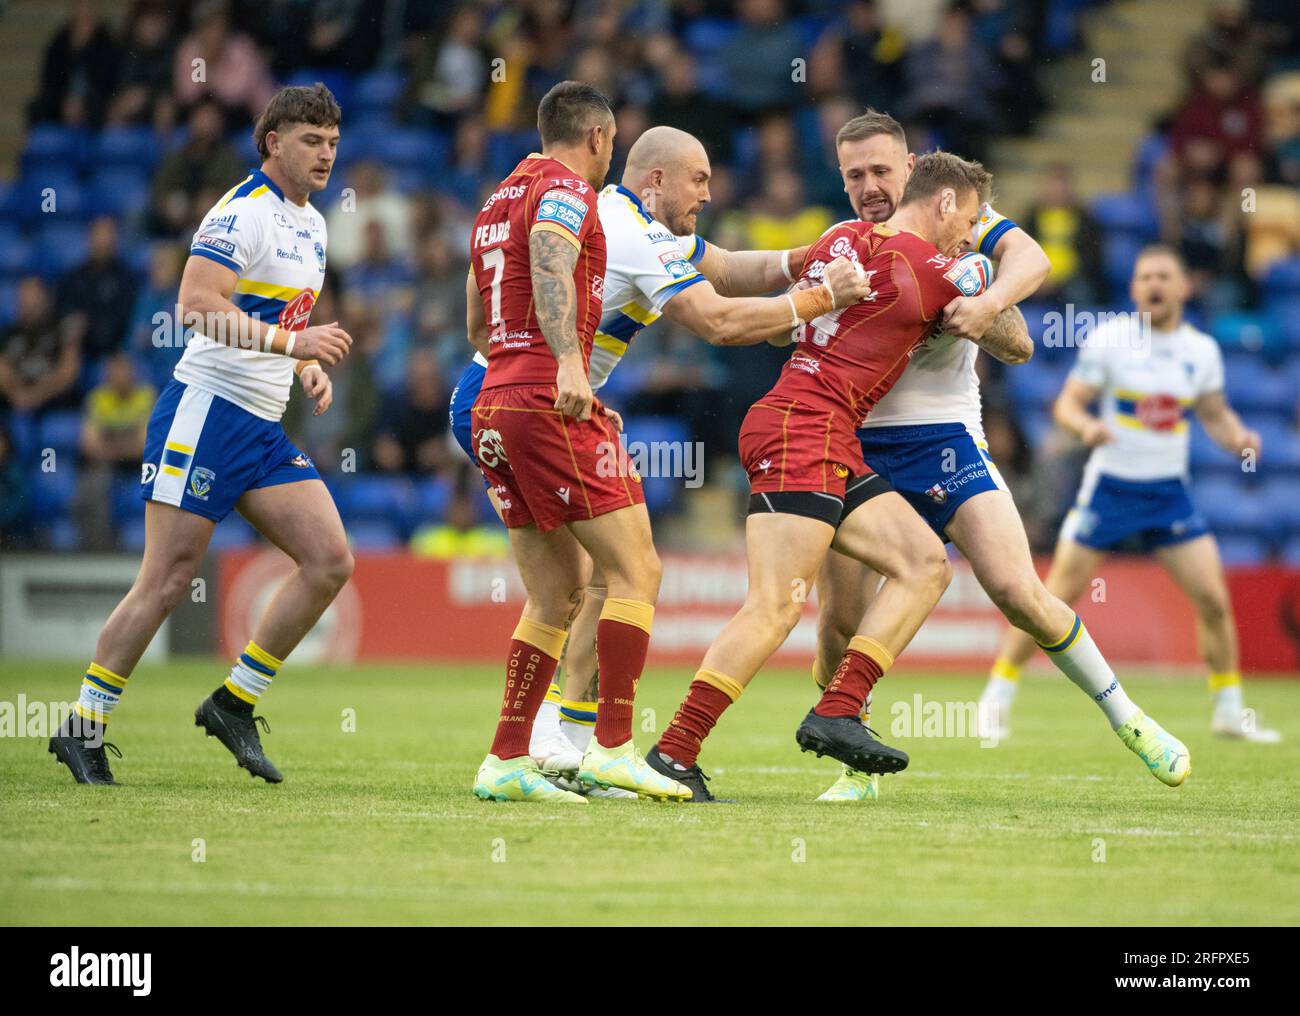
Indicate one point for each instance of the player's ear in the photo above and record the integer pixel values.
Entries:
(947, 201)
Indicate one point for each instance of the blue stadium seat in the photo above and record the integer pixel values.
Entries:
(1151, 149)
(131, 535)
(135, 147)
(706, 37)
(1244, 549)
(53, 145)
(375, 535)
(1130, 214)
(32, 195)
(120, 191)
(1282, 277)
(416, 147)
(232, 533)
(51, 493)
(60, 247)
(661, 492)
(1281, 441)
(505, 149)
(1035, 385)
(1036, 426)
(61, 431)
(8, 301)
(1119, 255)
(338, 82)
(1282, 495)
(63, 535)
(377, 92)
(1206, 456)
(1253, 386)
(1231, 506)
(124, 501)
(1291, 552)
(431, 499)
(17, 256)
(1246, 330)
(379, 497)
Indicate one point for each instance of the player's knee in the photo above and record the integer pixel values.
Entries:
(934, 569)
(1021, 598)
(175, 584)
(331, 567)
(1212, 607)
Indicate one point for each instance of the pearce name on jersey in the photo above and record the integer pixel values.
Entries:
(540, 194)
(277, 249)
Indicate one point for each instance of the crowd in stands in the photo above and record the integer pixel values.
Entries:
(138, 127)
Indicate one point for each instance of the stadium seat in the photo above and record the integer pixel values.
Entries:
(1035, 385)
(505, 149)
(1232, 506)
(338, 82)
(1281, 441)
(8, 301)
(656, 432)
(234, 533)
(60, 431)
(1130, 214)
(1151, 149)
(125, 503)
(1119, 255)
(1206, 456)
(1282, 278)
(390, 498)
(53, 146)
(63, 535)
(1035, 426)
(432, 496)
(1253, 386)
(60, 247)
(133, 147)
(416, 148)
(131, 535)
(1244, 549)
(51, 492)
(1291, 552)
(17, 256)
(1282, 496)
(120, 191)
(1246, 330)
(374, 535)
(376, 93)
(32, 197)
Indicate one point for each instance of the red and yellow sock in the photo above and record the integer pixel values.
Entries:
(534, 654)
(622, 640)
(864, 663)
(707, 698)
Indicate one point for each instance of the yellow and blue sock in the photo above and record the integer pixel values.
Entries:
(1078, 658)
(1225, 689)
(252, 674)
(578, 721)
(101, 691)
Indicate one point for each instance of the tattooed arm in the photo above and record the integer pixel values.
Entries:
(552, 259)
(1007, 339)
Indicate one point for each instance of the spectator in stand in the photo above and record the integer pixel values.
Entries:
(373, 200)
(861, 56)
(680, 103)
(438, 306)
(15, 513)
(78, 72)
(1210, 242)
(779, 217)
(205, 163)
(759, 60)
(950, 82)
(448, 72)
(40, 358)
(412, 433)
(96, 297)
(144, 79)
(1070, 237)
(1222, 118)
(154, 336)
(461, 533)
(112, 444)
(214, 60)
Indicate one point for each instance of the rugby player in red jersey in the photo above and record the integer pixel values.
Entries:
(809, 483)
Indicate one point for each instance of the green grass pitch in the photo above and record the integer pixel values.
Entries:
(1060, 825)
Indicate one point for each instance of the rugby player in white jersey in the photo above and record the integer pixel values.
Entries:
(1134, 495)
(656, 267)
(215, 442)
(926, 439)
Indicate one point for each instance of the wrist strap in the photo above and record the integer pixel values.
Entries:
(268, 340)
(812, 303)
(302, 365)
(794, 312)
(785, 265)
(288, 346)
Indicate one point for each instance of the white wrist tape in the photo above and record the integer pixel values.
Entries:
(268, 338)
(795, 322)
(288, 346)
(785, 266)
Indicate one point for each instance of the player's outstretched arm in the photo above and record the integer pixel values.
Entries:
(1007, 339)
(742, 321)
(476, 328)
(1224, 426)
(1071, 412)
(552, 259)
(751, 272)
(205, 303)
(1022, 267)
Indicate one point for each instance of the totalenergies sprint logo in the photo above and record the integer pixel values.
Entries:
(296, 312)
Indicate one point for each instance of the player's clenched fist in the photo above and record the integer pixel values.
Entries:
(573, 390)
(326, 343)
(1095, 433)
(847, 283)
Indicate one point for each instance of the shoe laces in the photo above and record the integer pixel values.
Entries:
(99, 761)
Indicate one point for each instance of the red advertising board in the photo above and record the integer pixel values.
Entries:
(402, 608)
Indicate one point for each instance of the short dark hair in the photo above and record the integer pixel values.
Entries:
(1161, 250)
(936, 170)
(568, 111)
(314, 104)
(867, 125)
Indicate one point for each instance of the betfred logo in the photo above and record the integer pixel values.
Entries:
(296, 312)
(1159, 412)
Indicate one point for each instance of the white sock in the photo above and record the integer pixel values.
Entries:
(1078, 658)
(547, 723)
(1228, 701)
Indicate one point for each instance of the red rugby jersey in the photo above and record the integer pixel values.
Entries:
(848, 359)
(539, 194)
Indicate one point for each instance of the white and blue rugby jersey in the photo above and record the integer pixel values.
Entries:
(646, 266)
(278, 250)
(939, 384)
(1150, 381)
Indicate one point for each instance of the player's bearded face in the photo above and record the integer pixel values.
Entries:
(683, 193)
(874, 171)
(1159, 287)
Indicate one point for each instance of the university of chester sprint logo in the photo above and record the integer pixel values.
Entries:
(937, 494)
(201, 482)
(491, 452)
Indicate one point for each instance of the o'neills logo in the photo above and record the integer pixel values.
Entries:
(75, 969)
